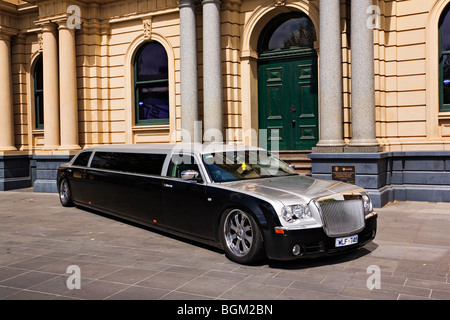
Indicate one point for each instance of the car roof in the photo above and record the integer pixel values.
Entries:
(169, 147)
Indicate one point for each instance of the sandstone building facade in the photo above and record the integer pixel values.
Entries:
(352, 82)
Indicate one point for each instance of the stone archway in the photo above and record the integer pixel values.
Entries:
(253, 27)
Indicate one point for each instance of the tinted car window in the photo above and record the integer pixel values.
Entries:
(129, 162)
(234, 166)
(178, 164)
(83, 159)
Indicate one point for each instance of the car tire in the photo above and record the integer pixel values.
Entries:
(241, 237)
(65, 195)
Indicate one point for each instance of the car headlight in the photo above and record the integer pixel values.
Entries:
(367, 203)
(295, 212)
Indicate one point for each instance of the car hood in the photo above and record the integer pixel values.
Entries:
(294, 189)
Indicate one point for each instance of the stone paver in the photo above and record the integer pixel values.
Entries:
(40, 239)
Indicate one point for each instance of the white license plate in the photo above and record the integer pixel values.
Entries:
(347, 241)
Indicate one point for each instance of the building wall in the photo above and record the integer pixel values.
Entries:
(407, 112)
(405, 50)
(407, 94)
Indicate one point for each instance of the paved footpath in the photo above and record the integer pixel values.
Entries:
(44, 247)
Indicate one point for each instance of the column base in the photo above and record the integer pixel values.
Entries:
(329, 146)
(363, 143)
(330, 149)
(363, 149)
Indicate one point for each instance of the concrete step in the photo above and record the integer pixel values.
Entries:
(298, 158)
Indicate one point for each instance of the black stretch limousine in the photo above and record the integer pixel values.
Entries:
(238, 198)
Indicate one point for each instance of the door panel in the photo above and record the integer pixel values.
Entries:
(134, 196)
(184, 206)
(274, 96)
(304, 96)
(307, 104)
(184, 202)
(288, 103)
(78, 184)
(106, 191)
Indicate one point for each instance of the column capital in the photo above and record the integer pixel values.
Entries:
(211, 2)
(187, 3)
(48, 26)
(62, 24)
(67, 23)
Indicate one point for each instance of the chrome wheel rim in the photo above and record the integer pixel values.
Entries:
(238, 233)
(64, 191)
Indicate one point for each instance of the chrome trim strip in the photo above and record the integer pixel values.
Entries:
(300, 227)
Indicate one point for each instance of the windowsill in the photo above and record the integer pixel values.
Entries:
(444, 115)
(151, 134)
(153, 127)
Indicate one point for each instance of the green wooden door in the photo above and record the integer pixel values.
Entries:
(288, 103)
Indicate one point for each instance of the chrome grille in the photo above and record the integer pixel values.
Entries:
(342, 218)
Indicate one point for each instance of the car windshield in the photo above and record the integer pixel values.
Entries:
(244, 165)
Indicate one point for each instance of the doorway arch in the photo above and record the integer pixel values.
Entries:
(288, 82)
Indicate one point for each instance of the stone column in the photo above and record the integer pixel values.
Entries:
(6, 95)
(212, 72)
(68, 99)
(51, 87)
(363, 82)
(331, 99)
(189, 72)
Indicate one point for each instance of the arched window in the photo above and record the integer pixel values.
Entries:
(151, 85)
(444, 60)
(38, 78)
(288, 31)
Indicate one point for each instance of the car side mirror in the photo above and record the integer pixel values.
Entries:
(189, 175)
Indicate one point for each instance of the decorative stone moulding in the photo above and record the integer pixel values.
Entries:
(147, 23)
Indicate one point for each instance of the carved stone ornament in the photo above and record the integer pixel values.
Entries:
(40, 42)
(147, 28)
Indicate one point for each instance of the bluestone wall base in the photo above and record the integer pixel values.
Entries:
(393, 176)
(15, 172)
(46, 172)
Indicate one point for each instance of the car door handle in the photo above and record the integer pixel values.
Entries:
(165, 185)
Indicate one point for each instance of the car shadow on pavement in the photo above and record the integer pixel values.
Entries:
(151, 229)
(297, 264)
(329, 260)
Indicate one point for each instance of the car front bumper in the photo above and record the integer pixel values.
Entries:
(312, 242)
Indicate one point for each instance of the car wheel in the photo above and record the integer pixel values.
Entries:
(241, 237)
(65, 196)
